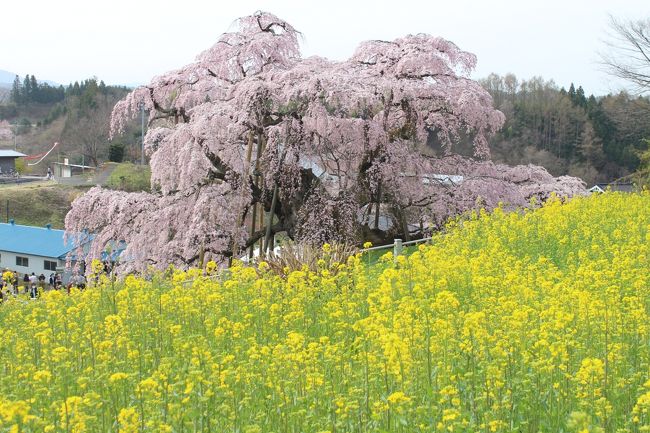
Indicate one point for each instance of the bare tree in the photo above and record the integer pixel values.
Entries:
(87, 126)
(91, 132)
(4, 95)
(628, 56)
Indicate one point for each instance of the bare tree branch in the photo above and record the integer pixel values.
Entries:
(629, 52)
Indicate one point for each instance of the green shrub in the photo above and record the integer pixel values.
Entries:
(130, 177)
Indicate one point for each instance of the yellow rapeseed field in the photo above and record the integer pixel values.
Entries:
(531, 321)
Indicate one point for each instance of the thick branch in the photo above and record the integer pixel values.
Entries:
(259, 234)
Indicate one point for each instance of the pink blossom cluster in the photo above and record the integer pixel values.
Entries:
(5, 130)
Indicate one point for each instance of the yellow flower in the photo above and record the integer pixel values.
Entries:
(502, 308)
(129, 420)
(116, 377)
(97, 267)
(397, 398)
(211, 267)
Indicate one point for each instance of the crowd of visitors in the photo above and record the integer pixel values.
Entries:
(11, 283)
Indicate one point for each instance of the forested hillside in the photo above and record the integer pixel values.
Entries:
(596, 138)
(76, 116)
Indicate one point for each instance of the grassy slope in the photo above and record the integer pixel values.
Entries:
(40, 203)
(37, 203)
(130, 177)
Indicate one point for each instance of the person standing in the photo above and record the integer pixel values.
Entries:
(33, 285)
(26, 283)
(81, 281)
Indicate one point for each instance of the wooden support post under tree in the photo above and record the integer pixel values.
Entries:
(256, 180)
(376, 224)
(405, 225)
(240, 219)
(263, 188)
(261, 224)
(252, 232)
(269, 220)
(201, 254)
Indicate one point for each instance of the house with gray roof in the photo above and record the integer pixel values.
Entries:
(613, 187)
(8, 160)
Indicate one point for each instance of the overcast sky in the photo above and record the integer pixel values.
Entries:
(130, 41)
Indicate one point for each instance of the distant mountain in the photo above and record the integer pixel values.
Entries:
(7, 79)
(128, 85)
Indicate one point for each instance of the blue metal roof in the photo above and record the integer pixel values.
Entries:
(37, 241)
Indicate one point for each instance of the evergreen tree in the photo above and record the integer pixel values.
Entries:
(27, 89)
(572, 93)
(116, 152)
(591, 103)
(16, 91)
(34, 86)
(580, 98)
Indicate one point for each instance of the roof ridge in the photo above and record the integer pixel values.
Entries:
(32, 227)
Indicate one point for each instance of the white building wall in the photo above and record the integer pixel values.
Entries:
(36, 264)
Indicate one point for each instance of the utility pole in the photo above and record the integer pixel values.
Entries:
(15, 131)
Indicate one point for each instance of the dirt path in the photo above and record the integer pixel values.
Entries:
(103, 173)
(99, 178)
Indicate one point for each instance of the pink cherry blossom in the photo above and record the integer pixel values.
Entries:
(5, 130)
